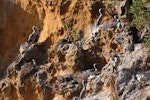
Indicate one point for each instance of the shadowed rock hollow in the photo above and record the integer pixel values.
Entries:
(75, 44)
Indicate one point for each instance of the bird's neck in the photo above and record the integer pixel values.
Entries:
(33, 31)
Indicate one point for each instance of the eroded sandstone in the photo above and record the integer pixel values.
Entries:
(72, 48)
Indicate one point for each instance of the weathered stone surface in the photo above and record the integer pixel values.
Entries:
(72, 49)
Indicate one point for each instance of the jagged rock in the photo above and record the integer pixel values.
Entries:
(65, 78)
(68, 52)
(5, 88)
(123, 8)
(67, 86)
(118, 7)
(72, 44)
(27, 70)
(130, 77)
(41, 79)
(31, 51)
(24, 48)
(100, 96)
(93, 85)
(11, 69)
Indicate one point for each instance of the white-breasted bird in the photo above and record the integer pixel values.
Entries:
(94, 65)
(111, 25)
(32, 36)
(99, 18)
(37, 35)
(83, 91)
(116, 61)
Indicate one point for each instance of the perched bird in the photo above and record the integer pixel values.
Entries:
(99, 18)
(95, 28)
(94, 54)
(115, 60)
(119, 27)
(83, 91)
(110, 25)
(91, 70)
(116, 18)
(67, 39)
(37, 35)
(32, 36)
(33, 62)
(90, 73)
(94, 65)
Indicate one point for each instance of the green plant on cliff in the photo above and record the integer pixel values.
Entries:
(140, 11)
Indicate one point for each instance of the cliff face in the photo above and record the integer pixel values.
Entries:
(73, 41)
(53, 16)
(16, 23)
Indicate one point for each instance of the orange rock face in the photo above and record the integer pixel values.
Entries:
(70, 49)
(56, 18)
(15, 27)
